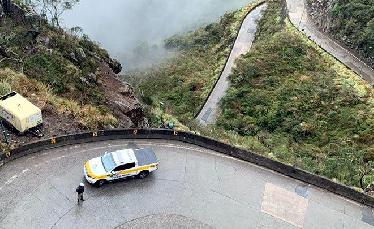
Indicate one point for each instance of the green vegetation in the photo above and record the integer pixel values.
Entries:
(5, 88)
(353, 24)
(184, 82)
(294, 103)
(55, 58)
(61, 68)
(288, 99)
(87, 116)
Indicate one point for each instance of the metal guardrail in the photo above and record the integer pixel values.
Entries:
(190, 138)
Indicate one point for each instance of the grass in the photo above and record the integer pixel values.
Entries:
(54, 67)
(288, 99)
(184, 82)
(352, 22)
(50, 59)
(294, 103)
(87, 116)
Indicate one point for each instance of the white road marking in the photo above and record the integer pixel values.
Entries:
(11, 179)
(284, 205)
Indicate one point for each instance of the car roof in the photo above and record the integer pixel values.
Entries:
(124, 156)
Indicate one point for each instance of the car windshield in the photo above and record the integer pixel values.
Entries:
(108, 162)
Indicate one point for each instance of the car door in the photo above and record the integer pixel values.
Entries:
(128, 169)
(116, 173)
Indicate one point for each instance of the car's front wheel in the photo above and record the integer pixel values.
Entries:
(143, 174)
(99, 183)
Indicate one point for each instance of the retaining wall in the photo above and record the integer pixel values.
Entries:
(201, 141)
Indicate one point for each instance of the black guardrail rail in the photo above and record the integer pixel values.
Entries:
(198, 140)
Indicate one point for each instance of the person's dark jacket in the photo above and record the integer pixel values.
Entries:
(80, 189)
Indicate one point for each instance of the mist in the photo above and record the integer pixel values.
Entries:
(133, 31)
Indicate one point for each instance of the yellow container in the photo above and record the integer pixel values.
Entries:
(20, 112)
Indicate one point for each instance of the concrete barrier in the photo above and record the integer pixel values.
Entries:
(190, 138)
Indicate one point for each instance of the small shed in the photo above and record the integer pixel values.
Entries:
(19, 112)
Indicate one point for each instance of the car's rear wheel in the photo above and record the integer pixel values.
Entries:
(99, 183)
(143, 174)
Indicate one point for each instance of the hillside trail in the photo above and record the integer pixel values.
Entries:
(243, 43)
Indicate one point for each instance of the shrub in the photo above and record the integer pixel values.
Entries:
(305, 108)
(5, 88)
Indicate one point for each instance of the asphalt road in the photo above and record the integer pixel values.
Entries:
(243, 43)
(299, 17)
(193, 188)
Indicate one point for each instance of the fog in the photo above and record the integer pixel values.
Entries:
(133, 30)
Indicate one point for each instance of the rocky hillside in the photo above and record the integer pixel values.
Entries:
(70, 78)
(349, 21)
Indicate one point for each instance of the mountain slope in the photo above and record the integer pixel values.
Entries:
(351, 22)
(293, 102)
(70, 78)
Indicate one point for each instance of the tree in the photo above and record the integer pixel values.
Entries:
(51, 9)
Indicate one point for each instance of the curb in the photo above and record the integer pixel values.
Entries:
(197, 140)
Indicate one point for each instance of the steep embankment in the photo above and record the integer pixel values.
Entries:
(288, 99)
(293, 102)
(350, 22)
(299, 17)
(184, 82)
(70, 78)
(243, 43)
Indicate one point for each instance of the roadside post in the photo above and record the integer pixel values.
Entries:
(162, 106)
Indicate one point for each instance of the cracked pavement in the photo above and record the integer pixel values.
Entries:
(193, 188)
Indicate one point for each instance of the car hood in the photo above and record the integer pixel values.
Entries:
(96, 166)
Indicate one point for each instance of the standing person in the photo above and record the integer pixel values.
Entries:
(80, 191)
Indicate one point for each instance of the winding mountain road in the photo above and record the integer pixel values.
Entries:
(193, 188)
(243, 43)
(299, 17)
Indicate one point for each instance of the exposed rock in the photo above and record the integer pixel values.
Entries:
(85, 81)
(80, 55)
(121, 99)
(370, 190)
(99, 82)
(45, 41)
(319, 11)
(72, 57)
(115, 65)
(92, 78)
(126, 90)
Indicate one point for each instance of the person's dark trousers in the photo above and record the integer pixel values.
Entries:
(80, 191)
(80, 197)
